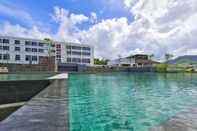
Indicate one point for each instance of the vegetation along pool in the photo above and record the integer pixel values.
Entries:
(128, 101)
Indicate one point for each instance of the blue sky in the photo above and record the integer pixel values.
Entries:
(41, 11)
(113, 27)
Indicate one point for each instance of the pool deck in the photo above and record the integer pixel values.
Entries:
(47, 111)
(184, 121)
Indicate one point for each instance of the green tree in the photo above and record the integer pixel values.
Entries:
(168, 57)
(50, 51)
(151, 56)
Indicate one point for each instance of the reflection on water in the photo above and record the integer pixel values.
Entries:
(128, 101)
(7, 77)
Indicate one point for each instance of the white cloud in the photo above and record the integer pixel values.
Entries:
(93, 17)
(8, 29)
(67, 23)
(160, 26)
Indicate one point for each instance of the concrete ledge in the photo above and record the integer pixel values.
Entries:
(22, 90)
(47, 111)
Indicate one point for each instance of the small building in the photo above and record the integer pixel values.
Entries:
(74, 53)
(128, 62)
(138, 60)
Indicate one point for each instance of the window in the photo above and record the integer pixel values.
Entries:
(86, 53)
(1, 40)
(6, 57)
(34, 58)
(68, 47)
(34, 43)
(0, 56)
(85, 60)
(68, 59)
(17, 48)
(17, 42)
(41, 50)
(28, 58)
(86, 48)
(28, 49)
(6, 48)
(76, 60)
(76, 47)
(69, 52)
(58, 46)
(17, 57)
(6, 41)
(76, 53)
(1, 47)
(27, 43)
(58, 56)
(41, 44)
(34, 50)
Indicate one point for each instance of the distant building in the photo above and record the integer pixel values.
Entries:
(122, 62)
(74, 53)
(15, 50)
(138, 60)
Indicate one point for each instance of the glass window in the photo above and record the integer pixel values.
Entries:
(0, 56)
(6, 48)
(68, 59)
(17, 48)
(34, 43)
(76, 53)
(6, 56)
(41, 44)
(41, 50)
(28, 49)
(34, 50)
(28, 58)
(76, 47)
(17, 57)
(86, 48)
(6, 41)
(85, 60)
(86, 53)
(1, 47)
(17, 42)
(69, 52)
(34, 58)
(76, 60)
(27, 43)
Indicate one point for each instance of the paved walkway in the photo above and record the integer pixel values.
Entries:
(45, 112)
(184, 121)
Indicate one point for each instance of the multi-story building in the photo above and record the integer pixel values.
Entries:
(74, 53)
(14, 50)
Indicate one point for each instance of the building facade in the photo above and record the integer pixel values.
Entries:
(74, 53)
(15, 50)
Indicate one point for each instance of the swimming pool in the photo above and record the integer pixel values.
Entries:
(128, 101)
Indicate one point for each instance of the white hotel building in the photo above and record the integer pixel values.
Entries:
(16, 50)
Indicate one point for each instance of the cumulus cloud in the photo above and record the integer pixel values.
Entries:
(67, 23)
(159, 27)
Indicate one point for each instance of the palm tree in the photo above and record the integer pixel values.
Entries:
(50, 43)
(151, 56)
(168, 57)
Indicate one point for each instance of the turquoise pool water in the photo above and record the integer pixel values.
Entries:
(8, 77)
(126, 101)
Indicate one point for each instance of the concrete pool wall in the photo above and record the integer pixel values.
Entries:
(47, 111)
(20, 90)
